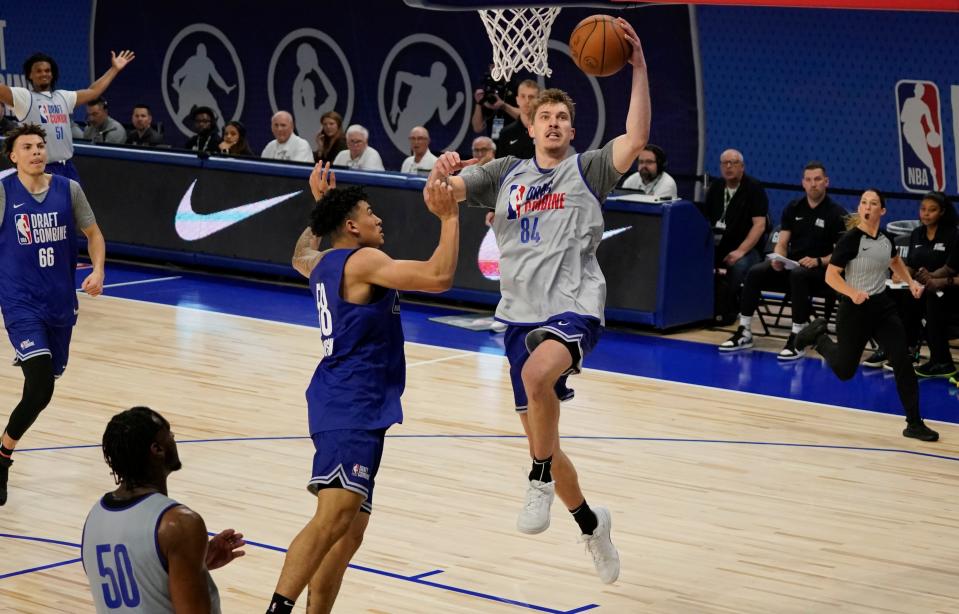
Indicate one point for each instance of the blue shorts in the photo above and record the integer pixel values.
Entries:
(31, 338)
(578, 333)
(347, 459)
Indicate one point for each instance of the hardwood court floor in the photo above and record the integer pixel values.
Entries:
(721, 501)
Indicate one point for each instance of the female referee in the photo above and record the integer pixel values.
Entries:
(865, 253)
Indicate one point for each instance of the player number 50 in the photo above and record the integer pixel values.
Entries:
(46, 257)
(122, 586)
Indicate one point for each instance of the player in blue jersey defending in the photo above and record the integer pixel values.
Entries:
(354, 396)
(39, 218)
(548, 225)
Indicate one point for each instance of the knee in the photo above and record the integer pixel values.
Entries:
(846, 371)
(536, 382)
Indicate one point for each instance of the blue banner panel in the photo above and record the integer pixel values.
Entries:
(378, 63)
(872, 94)
(59, 29)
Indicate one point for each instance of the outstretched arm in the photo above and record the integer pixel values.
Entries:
(626, 147)
(306, 254)
(402, 78)
(446, 114)
(96, 89)
(372, 266)
(443, 169)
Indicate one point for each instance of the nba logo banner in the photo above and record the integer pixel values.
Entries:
(919, 121)
(22, 222)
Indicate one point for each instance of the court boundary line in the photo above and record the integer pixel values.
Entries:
(416, 579)
(465, 353)
(735, 442)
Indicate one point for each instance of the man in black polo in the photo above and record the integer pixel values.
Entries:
(810, 227)
(737, 208)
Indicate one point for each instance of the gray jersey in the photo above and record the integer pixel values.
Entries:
(548, 225)
(122, 560)
(865, 259)
(51, 111)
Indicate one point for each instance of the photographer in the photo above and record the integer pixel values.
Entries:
(493, 109)
(514, 139)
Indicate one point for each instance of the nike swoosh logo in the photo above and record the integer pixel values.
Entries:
(18, 206)
(192, 226)
(614, 232)
(514, 141)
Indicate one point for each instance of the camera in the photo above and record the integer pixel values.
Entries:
(493, 89)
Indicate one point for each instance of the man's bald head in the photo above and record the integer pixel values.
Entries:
(282, 126)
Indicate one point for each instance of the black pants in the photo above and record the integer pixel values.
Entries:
(940, 310)
(910, 312)
(801, 283)
(876, 318)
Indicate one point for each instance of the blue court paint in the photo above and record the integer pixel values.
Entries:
(647, 356)
(40, 568)
(417, 579)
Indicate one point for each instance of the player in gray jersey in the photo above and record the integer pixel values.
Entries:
(548, 225)
(858, 270)
(142, 551)
(52, 108)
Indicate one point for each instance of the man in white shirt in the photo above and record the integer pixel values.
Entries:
(652, 178)
(422, 159)
(359, 155)
(286, 146)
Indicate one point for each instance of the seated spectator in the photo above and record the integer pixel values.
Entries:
(359, 155)
(101, 128)
(422, 160)
(286, 145)
(143, 132)
(810, 227)
(234, 141)
(514, 139)
(484, 150)
(330, 140)
(932, 260)
(737, 207)
(207, 138)
(651, 178)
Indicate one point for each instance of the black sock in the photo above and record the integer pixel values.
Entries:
(541, 470)
(5, 451)
(280, 605)
(585, 518)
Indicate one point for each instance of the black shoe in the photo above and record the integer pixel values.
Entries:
(931, 369)
(876, 360)
(809, 335)
(919, 430)
(741, 340)
(4, 473)
(789, 351)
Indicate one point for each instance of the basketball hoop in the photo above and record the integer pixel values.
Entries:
(519, 37)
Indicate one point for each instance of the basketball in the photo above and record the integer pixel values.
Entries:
(599, 46)
(933, 139)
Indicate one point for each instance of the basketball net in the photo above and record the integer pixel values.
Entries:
(519, 37)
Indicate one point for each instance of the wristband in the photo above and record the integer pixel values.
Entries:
(819, 260)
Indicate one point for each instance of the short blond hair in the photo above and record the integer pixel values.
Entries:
(552, 96)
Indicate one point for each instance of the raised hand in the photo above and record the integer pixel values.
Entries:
(440, 200)
(120, 61)
(636, 58)
(322, 180)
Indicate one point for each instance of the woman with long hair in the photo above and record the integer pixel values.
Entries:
(331, 139)
(234, 141)
(857, 272)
